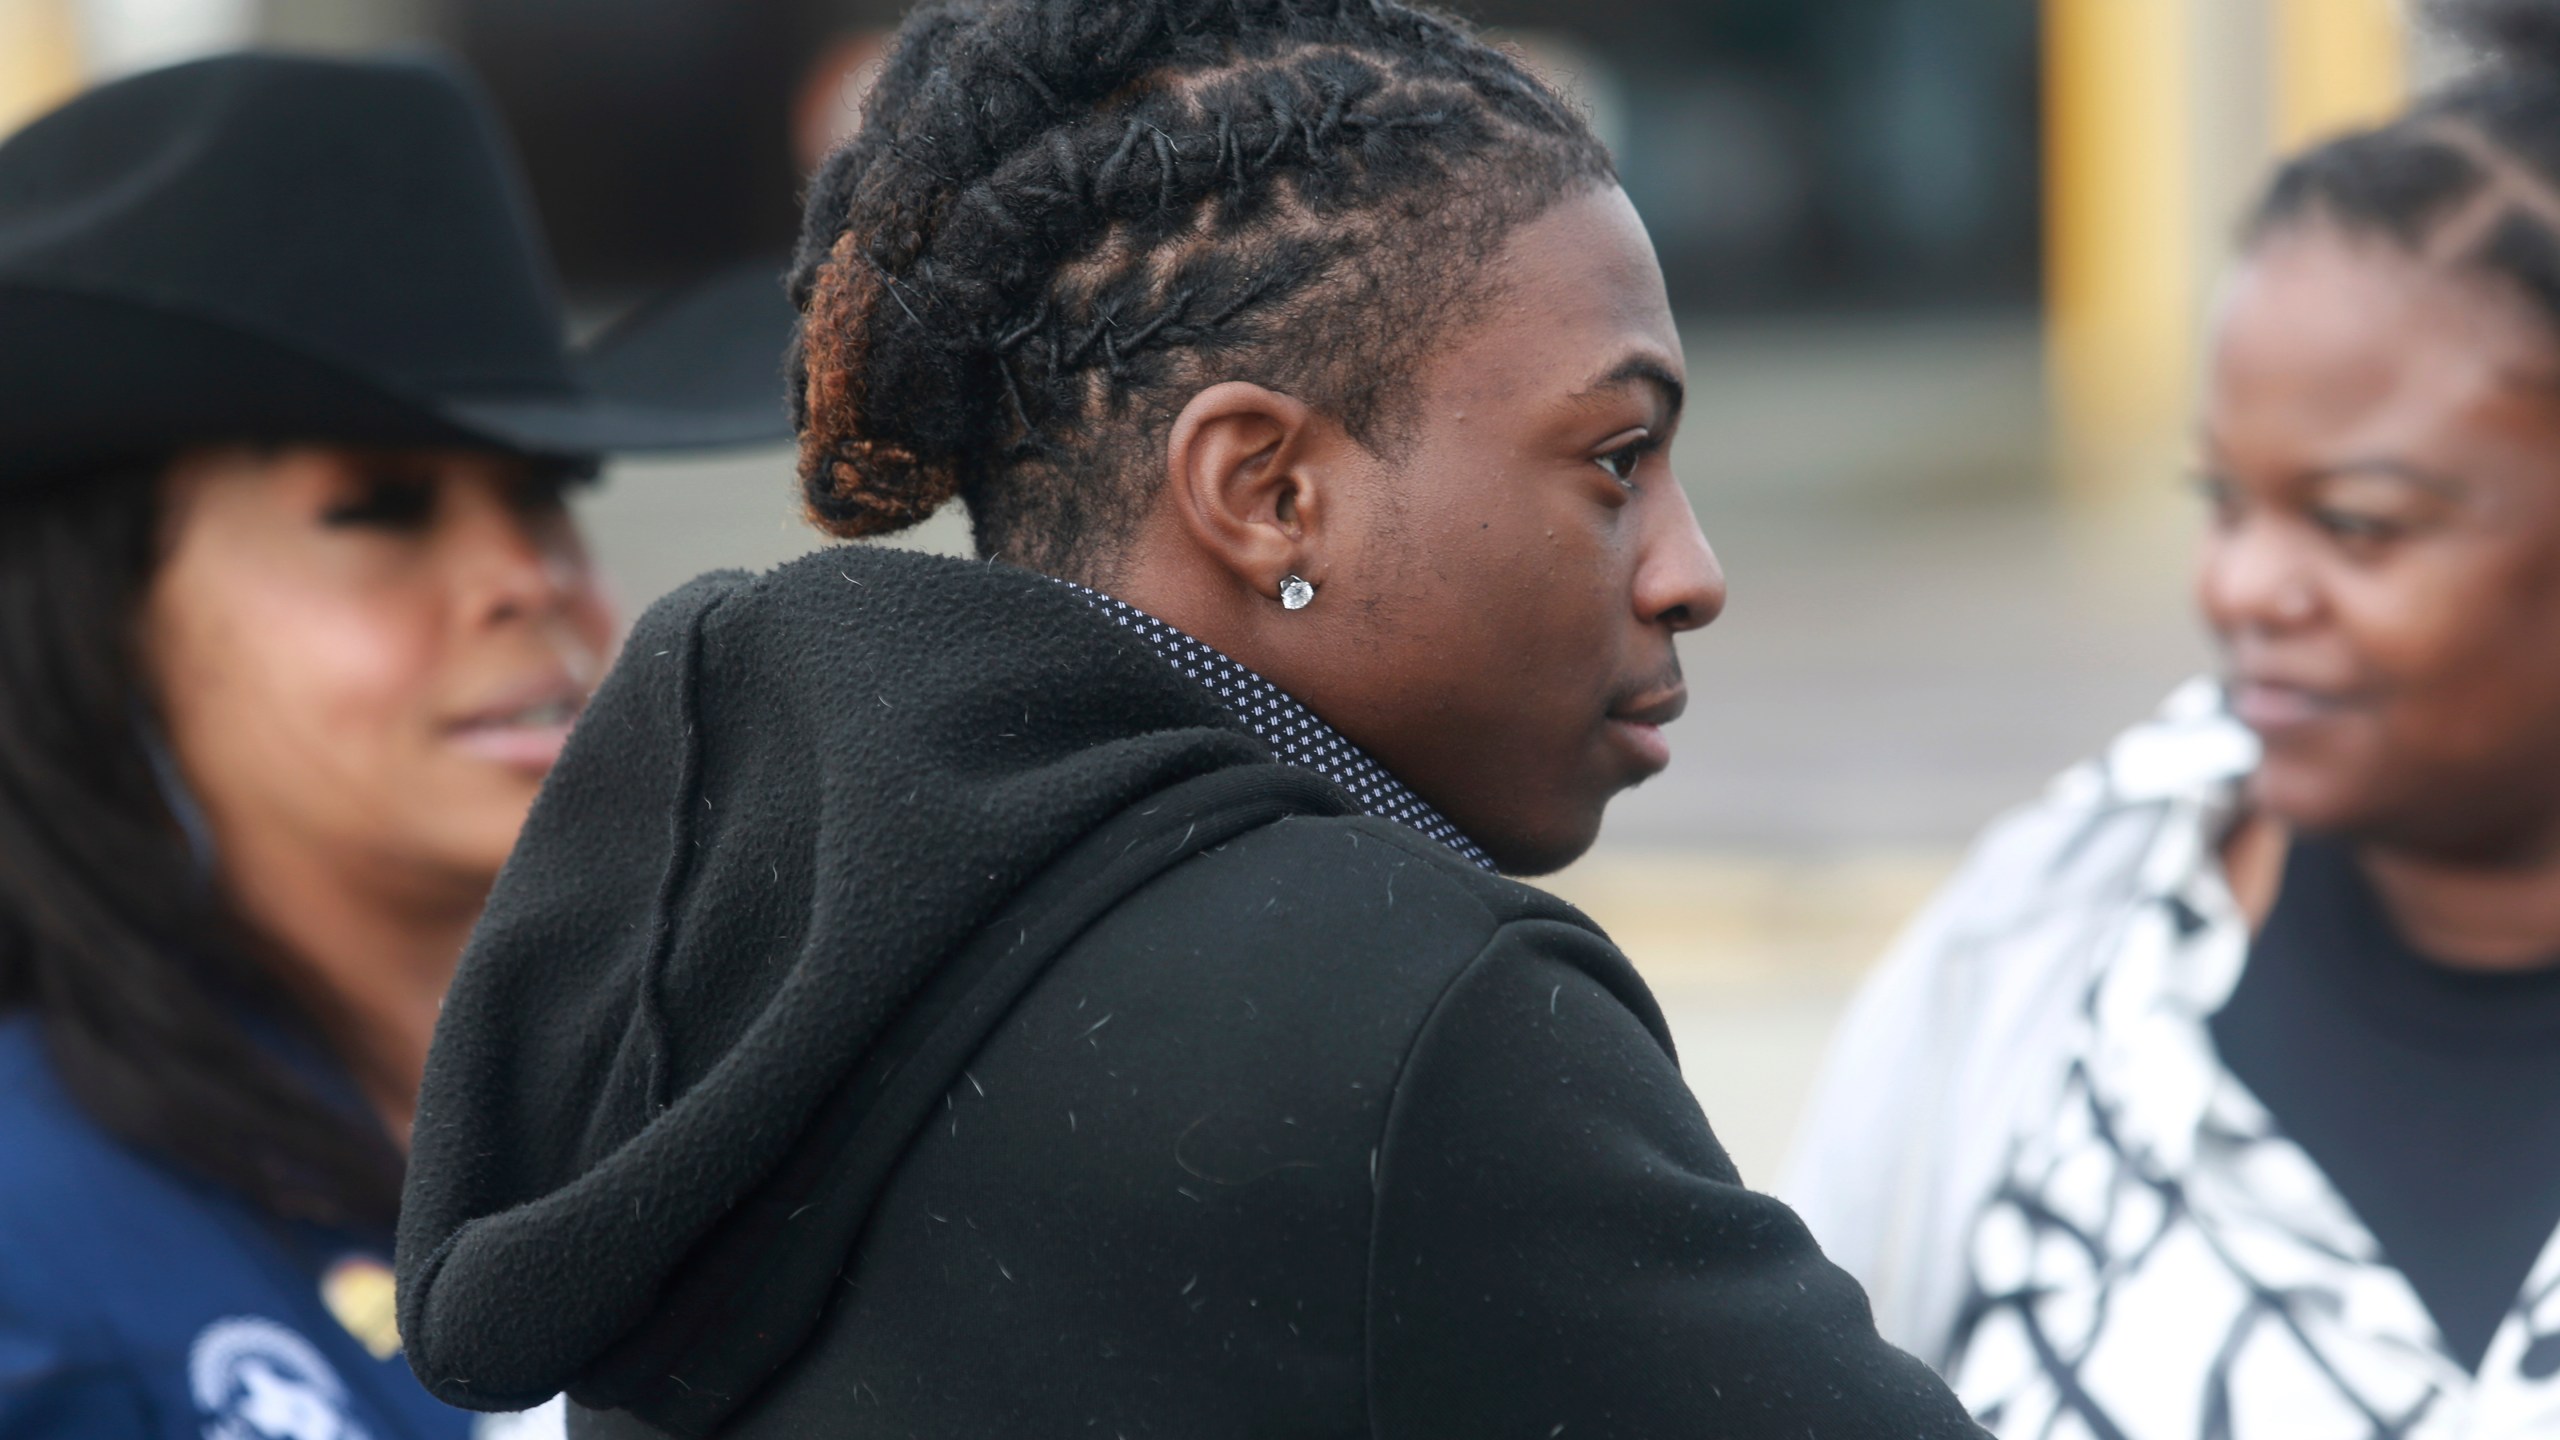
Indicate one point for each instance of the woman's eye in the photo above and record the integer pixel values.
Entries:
(2348, 525)
(385, 503)
(2217, 498)
(541, 497)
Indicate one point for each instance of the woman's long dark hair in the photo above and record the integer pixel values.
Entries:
(150, 994)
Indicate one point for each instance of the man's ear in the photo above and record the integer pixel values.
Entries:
(1248, 482)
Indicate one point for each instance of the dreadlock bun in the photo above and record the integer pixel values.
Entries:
(1061, 217)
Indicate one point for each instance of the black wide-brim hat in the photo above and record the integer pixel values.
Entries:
(274, 248)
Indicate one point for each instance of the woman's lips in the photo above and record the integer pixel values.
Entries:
(2274, 708)
(524, 735)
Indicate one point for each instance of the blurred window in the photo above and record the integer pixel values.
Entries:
(1835, 154)
(1789, 154)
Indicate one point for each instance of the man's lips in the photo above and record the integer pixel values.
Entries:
(1638, 723)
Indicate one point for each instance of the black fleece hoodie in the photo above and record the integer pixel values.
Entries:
(916, 1009)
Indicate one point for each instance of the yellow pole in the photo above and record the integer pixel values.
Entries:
(2159, 118)
(2339, 64)
(2121, 273)
(39, 59)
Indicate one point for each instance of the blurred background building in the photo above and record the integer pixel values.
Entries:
(1941, 266)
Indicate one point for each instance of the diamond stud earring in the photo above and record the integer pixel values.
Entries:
(1295, 592)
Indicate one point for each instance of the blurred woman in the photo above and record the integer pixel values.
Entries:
(293, 621)
(2220, 1094)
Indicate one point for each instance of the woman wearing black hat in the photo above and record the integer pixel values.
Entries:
(1071, 996)
(292, 623)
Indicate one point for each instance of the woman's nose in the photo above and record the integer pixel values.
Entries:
(508, 564)
(2252, 578)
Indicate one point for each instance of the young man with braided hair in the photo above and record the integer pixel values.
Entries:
(1074, 994)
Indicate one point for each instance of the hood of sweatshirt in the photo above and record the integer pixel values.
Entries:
(795, 795)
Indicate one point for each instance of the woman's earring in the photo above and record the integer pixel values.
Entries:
(1295, 593)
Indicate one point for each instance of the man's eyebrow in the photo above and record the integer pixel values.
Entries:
(1640, 370)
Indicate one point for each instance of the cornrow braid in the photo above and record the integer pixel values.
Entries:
(1062, 218)
(2470, 177)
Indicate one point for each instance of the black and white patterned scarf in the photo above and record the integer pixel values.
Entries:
(2158, 1260)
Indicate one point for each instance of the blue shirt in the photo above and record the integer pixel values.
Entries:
(136, 1301)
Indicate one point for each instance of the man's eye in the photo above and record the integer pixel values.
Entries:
(1623, 462)
(385, 503)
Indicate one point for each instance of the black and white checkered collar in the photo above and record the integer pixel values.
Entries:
(1293, 732)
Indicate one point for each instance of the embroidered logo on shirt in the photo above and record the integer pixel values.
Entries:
(358, 1291)
(253, 1379)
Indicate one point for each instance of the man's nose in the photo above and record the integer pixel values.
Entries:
(1679, 584)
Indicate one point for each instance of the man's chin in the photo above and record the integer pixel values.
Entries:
(1541, 849)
